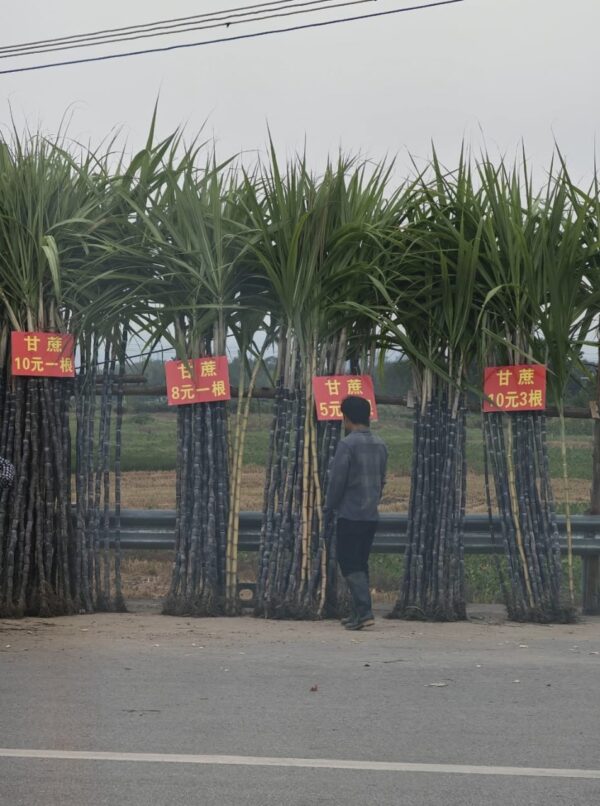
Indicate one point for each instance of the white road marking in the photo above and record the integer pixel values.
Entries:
(314, 763)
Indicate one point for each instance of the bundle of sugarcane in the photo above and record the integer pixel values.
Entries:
(316, 238)
(186, 246)
(110, 300)
(425, 305)
(44, 214)
(35, 519)
(198, 580)
(289, 534)
(537, 256)
(290, 213)
(433, 583)
(202, 497)
(516, 453)
(97, 566)
(567, 257)
(60, 229)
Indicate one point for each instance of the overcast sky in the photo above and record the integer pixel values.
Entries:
(493, 70)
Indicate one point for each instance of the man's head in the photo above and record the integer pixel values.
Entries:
(356, 411)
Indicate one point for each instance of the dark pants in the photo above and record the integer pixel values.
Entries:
(354, 541)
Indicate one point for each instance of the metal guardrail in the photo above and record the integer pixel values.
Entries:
(144, 529)
(154, 529)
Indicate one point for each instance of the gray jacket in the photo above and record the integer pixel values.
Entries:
(357, 477)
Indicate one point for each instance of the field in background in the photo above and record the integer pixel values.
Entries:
(149, 454)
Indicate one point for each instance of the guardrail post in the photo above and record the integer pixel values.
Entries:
(591, 585)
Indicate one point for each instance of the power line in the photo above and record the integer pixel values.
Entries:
(239, 37)
(142, 26)
(214, 20)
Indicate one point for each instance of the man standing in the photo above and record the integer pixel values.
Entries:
(356, 479)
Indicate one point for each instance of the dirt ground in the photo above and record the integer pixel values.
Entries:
(144, 625)
(156, 490)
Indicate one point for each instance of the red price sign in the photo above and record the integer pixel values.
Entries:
(521, 387)
(46, 355)
(330, 390)
(199, 380)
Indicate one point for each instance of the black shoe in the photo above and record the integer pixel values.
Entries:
(358, 583)
(360, 624)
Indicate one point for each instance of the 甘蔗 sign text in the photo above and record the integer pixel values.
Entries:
(47, 355)
(198, 380)
(521, 387)
(330, 390)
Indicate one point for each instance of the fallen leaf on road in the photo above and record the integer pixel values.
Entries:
(315, 687)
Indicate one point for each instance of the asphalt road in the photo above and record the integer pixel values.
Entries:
(505, 696)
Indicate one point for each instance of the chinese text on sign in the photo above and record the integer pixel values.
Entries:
(330, 390)
(49, 355)
(521, 387)
(198, 380)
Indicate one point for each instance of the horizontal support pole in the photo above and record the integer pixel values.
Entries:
(155, 529)
(570, 412)
(129, 380)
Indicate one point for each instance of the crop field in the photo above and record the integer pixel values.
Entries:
(149, 456)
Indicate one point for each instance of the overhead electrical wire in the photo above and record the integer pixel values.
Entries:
(144, 25)
(285, 8)
(237, 38)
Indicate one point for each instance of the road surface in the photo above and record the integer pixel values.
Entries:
(139, 709)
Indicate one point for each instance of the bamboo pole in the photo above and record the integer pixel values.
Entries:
(240, 457)
(230, 593)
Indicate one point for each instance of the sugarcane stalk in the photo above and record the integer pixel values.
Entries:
(23, 578)
(568, 522)
(515, 510)
(119, 600)
(305, 480)
(212, 592)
